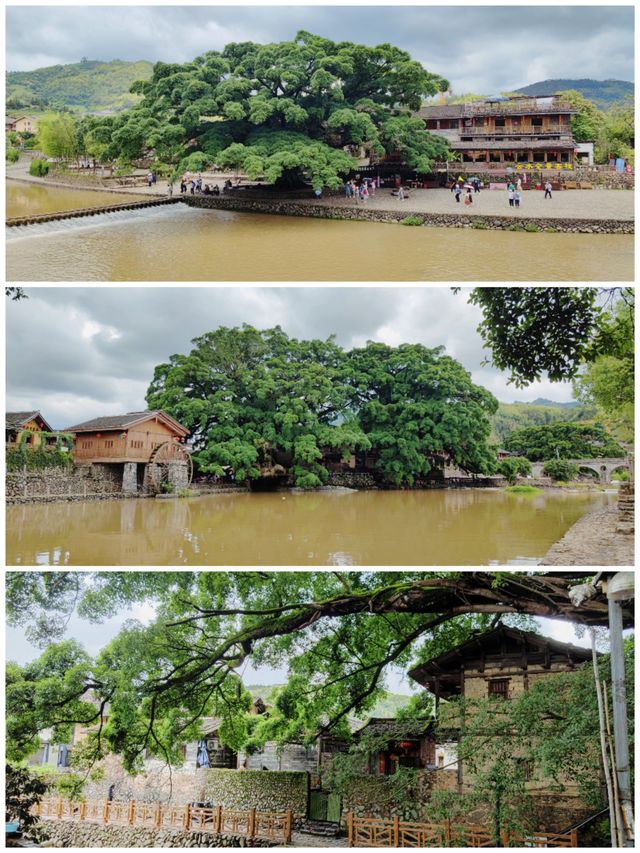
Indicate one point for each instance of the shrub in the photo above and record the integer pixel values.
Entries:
(39, 168)
(560, 469)
(36, 459)
(523, 490)
(12, 155)
(479, 225)
(509, 469)
(623, 476)
(531, 228)
(411, 220)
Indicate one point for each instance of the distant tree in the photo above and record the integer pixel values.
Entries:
(560, 469)
(58, 136)
(513, 467)
(15, 293)
(563, 441)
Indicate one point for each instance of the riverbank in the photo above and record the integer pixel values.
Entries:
(597, 211)
(594, 540)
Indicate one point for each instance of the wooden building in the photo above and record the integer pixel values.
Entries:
(150, 447)
(415, 748)
(27, 428)
(521, 132)
(504, 663)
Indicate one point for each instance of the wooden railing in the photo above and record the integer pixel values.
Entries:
(376, 832)
(275, 826)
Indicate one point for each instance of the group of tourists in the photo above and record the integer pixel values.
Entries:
(514, 193)
(195, 185)
(360, 191)
(469, 187)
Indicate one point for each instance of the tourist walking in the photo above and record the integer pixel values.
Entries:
(400, 193)
(519, 185)
(169, 189)
(364, 192)
(149, 180)
(469, 197)
(347, 189)
(516, 198)
(511, 194)
(547, 189)
(183, 186)
(457, 190)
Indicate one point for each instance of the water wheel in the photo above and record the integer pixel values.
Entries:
(162, 457)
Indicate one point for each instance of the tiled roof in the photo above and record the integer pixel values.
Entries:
(111, 422)
(19, 419)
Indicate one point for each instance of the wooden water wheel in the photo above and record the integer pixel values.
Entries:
(166, 454)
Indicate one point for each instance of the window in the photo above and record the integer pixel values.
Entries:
(86, 445)
(499, 687)
(500, 122)
(108, 443)
(138, 444)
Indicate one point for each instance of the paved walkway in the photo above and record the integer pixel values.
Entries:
(300, 839)
(568, 204)
(593, 541)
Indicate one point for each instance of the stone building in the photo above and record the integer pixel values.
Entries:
(147, 448)
(521, 132)
(502, 663)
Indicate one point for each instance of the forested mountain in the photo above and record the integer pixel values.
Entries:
(515, 416)
(603, 93)
(86, 86)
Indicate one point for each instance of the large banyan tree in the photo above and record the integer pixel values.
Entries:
(285, 112)
(253, 399)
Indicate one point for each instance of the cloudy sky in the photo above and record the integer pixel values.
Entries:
(79, 352)
(482, 49)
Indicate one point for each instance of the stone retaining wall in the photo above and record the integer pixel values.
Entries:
(351, 480)
(82, 482)
(281, 791)
(438, 220)
(71, 834)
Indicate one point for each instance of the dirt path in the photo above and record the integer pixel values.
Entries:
(593, 541)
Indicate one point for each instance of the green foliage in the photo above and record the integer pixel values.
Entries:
(560, 469)
(11, 155)
(36, 459)
(513, 467)
(90, 86)
(284, 112)
(608, 380)
(551, 729)
(514, 416)
(39, 168)
(479, 225)
(523, 489)
(256, 399)
(23, 791)
(58, 136)
(531, 228)
(564, 441)
(536, 330)
(411, 220)
(159, 681)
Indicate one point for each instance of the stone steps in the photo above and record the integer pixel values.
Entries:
(324, 828)
(626, 509)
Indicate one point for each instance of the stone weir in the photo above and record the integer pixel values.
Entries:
(34, 218)
(487, 222)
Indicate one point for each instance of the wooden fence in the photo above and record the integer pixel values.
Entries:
(275, 826)
(375, 832)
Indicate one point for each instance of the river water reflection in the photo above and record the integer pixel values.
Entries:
(23, 199)
(178, 243)
(439, 527)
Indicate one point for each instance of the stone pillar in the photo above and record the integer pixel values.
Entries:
(130, 478)
(177, 475)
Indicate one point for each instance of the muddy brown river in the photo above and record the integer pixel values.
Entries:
(335, 528)
(178, 243)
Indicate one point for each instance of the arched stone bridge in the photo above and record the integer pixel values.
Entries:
(603, 467)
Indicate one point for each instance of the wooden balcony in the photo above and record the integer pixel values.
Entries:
(561, 131)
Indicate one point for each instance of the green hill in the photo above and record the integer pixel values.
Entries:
(387, 706)
(603, 93)
(87, 86)
(514, 416)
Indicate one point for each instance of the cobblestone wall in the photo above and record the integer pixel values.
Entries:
(69, 834)
(439, 220)
(82, 482)
(351, 480)
(282, 791)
